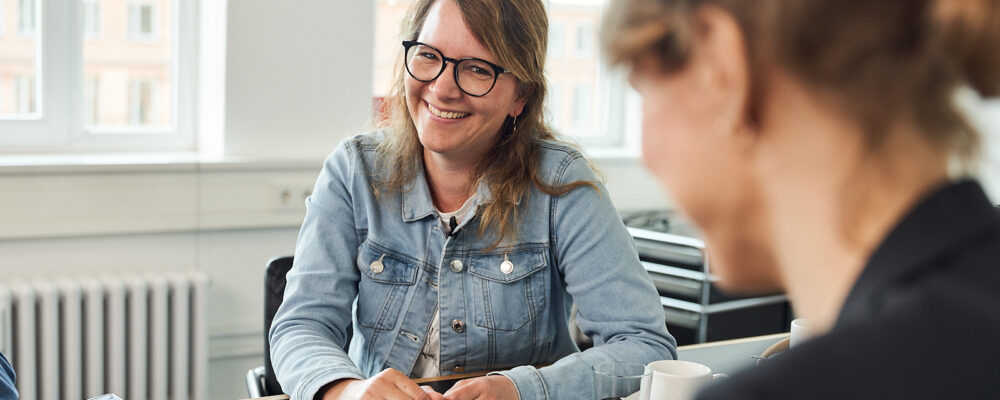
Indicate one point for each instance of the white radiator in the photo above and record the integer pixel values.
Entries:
(141, 337)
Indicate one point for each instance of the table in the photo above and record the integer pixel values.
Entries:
(439, 383)
(729, 356)
(726, 356)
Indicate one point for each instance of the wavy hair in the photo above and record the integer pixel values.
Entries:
(516, 33)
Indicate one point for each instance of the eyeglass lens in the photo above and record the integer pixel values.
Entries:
(474, 77)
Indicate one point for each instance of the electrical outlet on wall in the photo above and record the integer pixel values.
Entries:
(291, 196)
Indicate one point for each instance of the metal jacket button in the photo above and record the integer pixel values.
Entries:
(377, 266)
(506, 266)
(458, 369)
(456, 265)
(457, 325)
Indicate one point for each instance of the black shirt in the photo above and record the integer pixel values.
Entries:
(921, 322)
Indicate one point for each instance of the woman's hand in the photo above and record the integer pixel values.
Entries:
(493, 387)
(389, 384)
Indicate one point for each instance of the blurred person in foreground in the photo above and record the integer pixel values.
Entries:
(818, 146)
(457, 238)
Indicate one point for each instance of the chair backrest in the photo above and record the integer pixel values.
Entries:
(274, 292)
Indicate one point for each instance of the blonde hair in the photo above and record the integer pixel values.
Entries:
(516, 33)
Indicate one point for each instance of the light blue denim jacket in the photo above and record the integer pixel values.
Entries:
(370, 272)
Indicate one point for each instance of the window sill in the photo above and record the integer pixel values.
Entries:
(100, 163)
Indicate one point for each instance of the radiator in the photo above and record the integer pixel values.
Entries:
(141, 336)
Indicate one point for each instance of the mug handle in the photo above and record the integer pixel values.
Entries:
(716, 377)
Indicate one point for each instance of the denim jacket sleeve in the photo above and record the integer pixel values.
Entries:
(310, 330)
(618, 304)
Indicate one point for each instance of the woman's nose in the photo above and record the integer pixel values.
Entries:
(445, 86)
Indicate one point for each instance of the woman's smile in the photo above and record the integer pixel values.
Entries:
(437, 112)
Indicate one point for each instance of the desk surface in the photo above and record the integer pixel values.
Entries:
(726, 356)
(729, 356)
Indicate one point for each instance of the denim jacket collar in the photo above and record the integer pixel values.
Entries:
(416, 198)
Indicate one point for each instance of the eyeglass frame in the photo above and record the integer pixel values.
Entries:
(497, 70)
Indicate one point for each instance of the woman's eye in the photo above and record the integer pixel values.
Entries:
(428, 55)
(479, 70)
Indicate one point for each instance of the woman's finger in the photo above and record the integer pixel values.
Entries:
(434, 395)
(405, 385)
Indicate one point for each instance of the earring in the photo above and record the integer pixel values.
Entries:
(515, 124)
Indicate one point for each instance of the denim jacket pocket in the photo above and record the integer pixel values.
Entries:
(508, 297)
(385, 280)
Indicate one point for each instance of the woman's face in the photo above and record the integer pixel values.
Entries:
(448, 121)
(707, 170)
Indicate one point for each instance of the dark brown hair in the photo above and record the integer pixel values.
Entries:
(516, 33)
(876, 60)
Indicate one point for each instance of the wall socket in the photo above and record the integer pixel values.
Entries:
(291, 197)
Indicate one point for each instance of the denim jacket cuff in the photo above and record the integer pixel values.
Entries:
(528, 381)
(313, 382)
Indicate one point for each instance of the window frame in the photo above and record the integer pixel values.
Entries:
(60, 123)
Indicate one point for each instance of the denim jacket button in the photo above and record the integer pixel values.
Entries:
(376, 266)
(456, 265)
(506, 267)
(458, 369)
(457, 325)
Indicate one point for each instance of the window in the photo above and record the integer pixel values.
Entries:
(91, 103)
(24, 95)
(593, 112)
(142, 22)
(554, 106)
(581, 108)
(555, 38)
(91, 18)
(585, 37)
(26, 11)
(18, 55)
(142, 99)
(124, 81)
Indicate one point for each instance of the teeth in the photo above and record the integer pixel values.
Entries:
(445, 114)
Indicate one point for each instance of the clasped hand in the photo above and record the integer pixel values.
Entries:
(394, 385)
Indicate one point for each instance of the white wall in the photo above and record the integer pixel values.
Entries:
(299, 75)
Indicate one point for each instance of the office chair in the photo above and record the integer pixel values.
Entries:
(261, 380)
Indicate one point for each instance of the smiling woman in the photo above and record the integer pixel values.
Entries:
(458, 237)
(518, 93)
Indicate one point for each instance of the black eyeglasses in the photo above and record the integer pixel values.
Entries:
(475, 77)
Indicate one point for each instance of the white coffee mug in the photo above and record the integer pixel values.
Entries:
(679, 380)
(799, 332)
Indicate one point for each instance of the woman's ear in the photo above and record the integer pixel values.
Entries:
(725, 68)
(522, 98)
